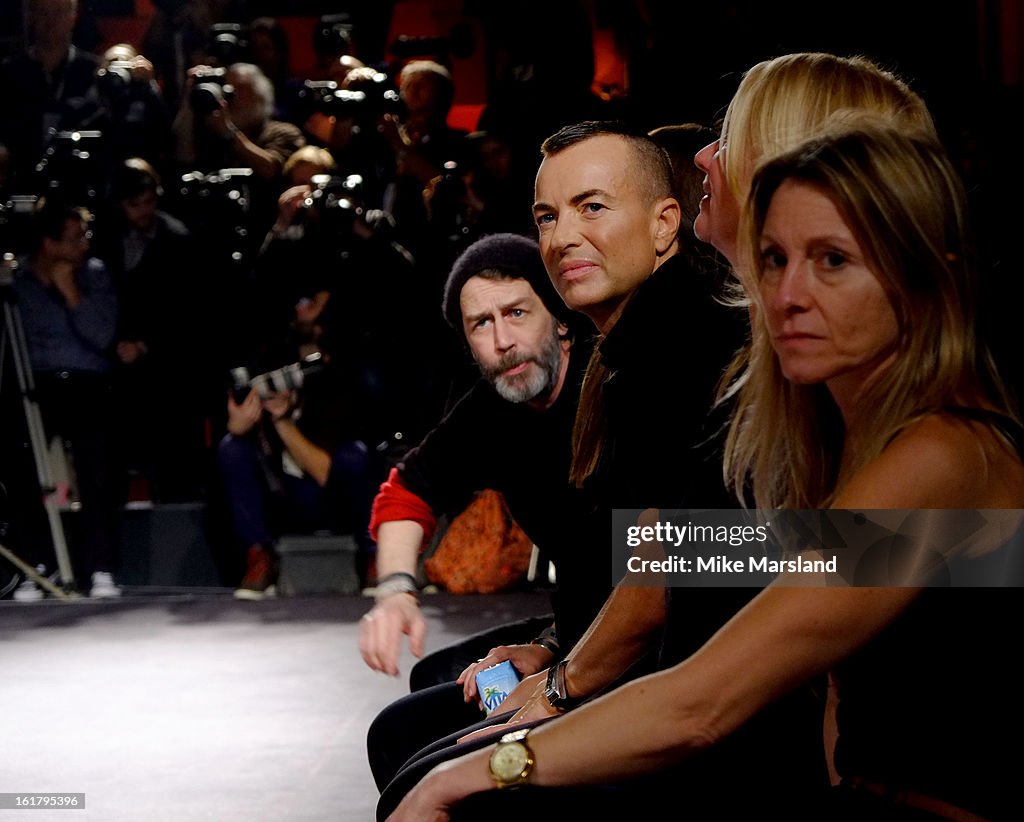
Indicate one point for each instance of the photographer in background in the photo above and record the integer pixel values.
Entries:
(138, 122)
(233, 127)
(298, 243)
(179, 37)
(483, 196)
(152, 258)
(421, 143)
(224, 121)
(292, 461)
(343, 114)
(270, 50)
(51, 87)
(350, 287)
(68, 307)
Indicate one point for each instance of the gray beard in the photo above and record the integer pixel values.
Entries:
(535, 381)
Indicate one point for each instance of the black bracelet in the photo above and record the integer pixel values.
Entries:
(549, 640)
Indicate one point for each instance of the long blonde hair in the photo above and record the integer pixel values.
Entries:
(905, 205)
(779, 103)
(783, 101)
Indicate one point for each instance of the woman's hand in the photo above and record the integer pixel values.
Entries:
(527, 659)
(422, 803)
(439, 790)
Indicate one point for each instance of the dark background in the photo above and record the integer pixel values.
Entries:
(547, 62)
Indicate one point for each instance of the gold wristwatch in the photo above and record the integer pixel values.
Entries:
(512, 761)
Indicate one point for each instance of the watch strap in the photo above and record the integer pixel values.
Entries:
(556, 691)
(548, 640)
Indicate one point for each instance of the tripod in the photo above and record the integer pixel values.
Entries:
(12, 336)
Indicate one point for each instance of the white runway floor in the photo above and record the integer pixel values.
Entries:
(193, 706)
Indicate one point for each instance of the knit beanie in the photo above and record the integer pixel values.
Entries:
(513, 255)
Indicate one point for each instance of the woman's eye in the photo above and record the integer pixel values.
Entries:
(833, 259)
(772, 259)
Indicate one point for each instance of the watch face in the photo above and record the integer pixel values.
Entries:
(509, 761)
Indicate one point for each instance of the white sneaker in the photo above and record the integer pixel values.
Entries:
(28, 591)
(103, 586)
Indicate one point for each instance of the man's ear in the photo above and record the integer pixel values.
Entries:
(668, 217)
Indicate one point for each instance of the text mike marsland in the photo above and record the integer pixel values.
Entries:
(724, 565)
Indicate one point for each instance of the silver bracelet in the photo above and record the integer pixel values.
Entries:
(397, 583)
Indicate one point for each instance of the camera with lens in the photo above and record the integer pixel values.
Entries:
(216, 207)
(209, 89)
(72, 165)
(287, 378)
(333, 35)
(338, 199)
(229, 43)
(115, 79)
(366, 103)
(226, 185)
(317, 96)
(448, 210)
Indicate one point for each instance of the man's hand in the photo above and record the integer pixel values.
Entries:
(220, 123)
(381, 630)
(142, 69)
(528, 689)
(243, 418)
(288, 205)
(63, 273)
(131, 351)
(536, 707)
(527, 659)
(309, 309)
(389, 127)
(279, 405)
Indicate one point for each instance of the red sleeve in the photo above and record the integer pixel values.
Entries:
(394, 501)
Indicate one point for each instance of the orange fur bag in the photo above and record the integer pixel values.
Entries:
(483, 551)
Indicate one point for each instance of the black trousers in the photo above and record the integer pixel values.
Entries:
(79, 408)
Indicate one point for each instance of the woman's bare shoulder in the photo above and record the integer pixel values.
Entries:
(941, 461)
